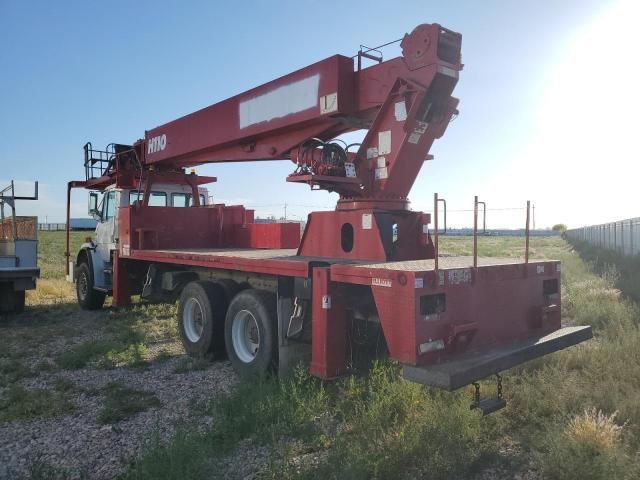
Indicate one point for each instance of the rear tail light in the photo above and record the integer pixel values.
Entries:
(431, 346)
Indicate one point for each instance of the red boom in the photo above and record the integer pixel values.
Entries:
(405, 103)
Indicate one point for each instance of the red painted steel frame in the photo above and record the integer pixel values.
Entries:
(497, 304)
(328, 327)
(428, 308)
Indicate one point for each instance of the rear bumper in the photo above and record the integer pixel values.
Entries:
(467, 368)
(19, 273)
(20, 278)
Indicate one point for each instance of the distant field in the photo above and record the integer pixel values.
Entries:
(51, 247)
(574, 414)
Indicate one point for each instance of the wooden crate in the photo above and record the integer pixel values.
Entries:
(26, 228)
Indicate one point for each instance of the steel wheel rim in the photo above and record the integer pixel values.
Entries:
(245, 336)
(193, 320)
(83, 285)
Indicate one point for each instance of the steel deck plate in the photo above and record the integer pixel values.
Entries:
(446, 263)
(285, 261)
(269, 261)
(246, 253)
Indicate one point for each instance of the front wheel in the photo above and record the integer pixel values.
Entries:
(88, 297)
(250, 332)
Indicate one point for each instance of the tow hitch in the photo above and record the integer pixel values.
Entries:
(492, 404)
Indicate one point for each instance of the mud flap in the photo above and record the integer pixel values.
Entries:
(465, 369)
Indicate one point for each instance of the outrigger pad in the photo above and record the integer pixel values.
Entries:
(490, 405)
(467, 368)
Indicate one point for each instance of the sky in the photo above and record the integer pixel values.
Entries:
(549, 99)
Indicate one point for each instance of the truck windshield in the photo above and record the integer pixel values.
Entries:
(184, 200)
(156, 199)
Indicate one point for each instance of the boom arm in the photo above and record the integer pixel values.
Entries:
(405, 103)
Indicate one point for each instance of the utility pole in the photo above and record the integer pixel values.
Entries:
(285, 212)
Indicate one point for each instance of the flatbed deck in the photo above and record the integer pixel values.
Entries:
(444, 263)
(286, 262)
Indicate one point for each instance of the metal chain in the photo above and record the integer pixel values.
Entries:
(499, 385)
(476, 396)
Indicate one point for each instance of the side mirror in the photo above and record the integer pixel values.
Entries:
(93, 206)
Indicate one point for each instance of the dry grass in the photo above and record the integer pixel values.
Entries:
(592, 446)
(595, 429)
(51, 291)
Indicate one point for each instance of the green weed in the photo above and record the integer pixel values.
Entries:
(164, 356)
(620, 270)
(374, 427)
(12, 370)
(109, 353)
(85, 353)
(122, 402)
(392, 428)
(18, 403)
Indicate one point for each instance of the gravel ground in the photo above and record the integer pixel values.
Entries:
(77, 445)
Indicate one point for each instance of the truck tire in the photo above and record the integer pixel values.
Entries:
(231, 288)
(201, 313)
(88, 297)
(250, 332)
(11, 301)
(18, 301)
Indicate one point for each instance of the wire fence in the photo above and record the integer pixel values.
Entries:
(51, 226)
(493, 220)
(622, 236)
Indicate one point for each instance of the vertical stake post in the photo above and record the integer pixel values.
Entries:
(526, 235)
(484, 217)
(13, 212)
(67, 249)
(475, 232)
(444, 205)
(435, 231)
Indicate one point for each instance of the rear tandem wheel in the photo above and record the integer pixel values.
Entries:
(250, 332)
(201, 313)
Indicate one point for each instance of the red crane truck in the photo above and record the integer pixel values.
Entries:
(363, 278)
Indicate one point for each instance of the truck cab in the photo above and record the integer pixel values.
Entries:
(93, 266)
